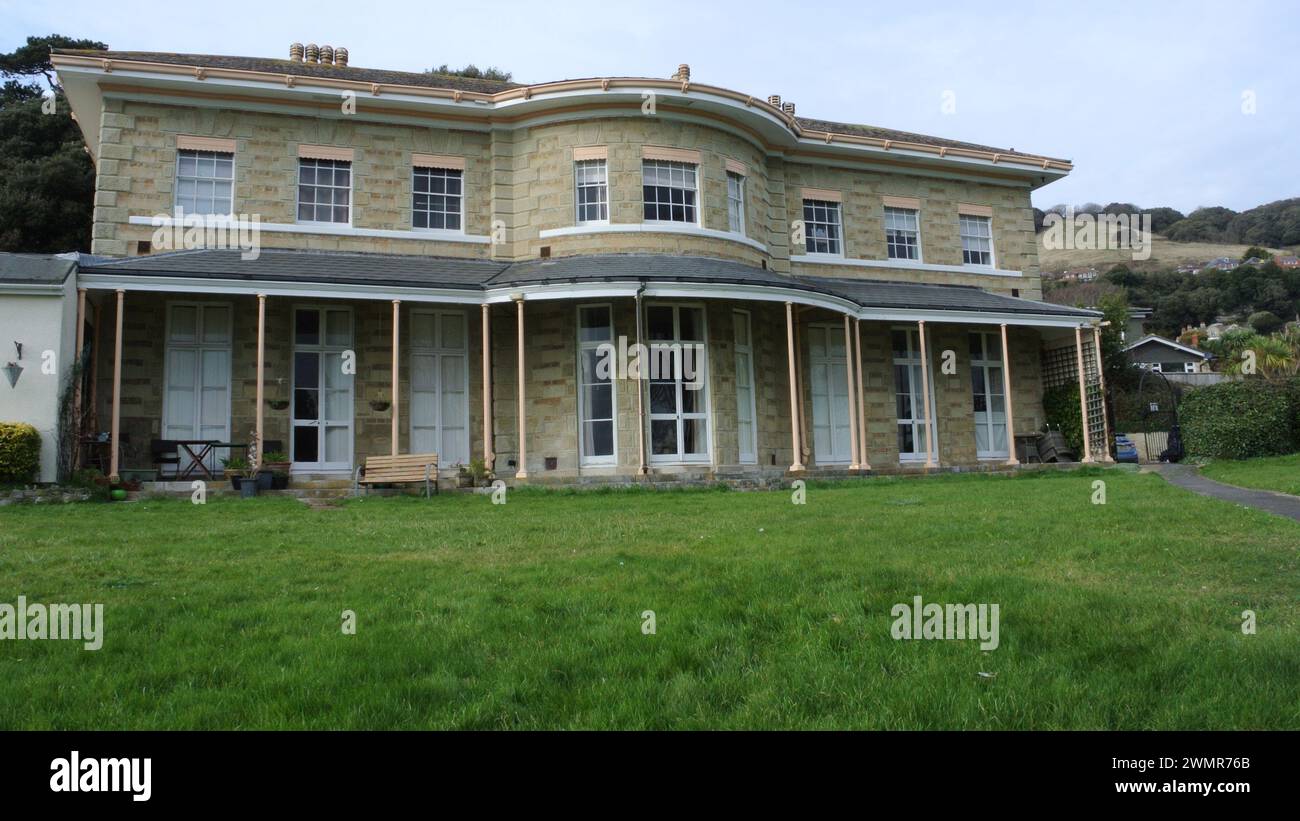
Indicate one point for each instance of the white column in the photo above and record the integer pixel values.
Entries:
(489, 457)
(1083, 397)
(925, 391)
(522, 472)
(861, 398)
(397, 388)
(117, 392)
(1006, 393)
(261, 373)
(852, 397)
(797, 464)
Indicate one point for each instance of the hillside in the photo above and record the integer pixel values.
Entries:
(1165, 254)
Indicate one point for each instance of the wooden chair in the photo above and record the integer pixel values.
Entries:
(396, 470)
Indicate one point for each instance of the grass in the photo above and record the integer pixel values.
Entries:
(769, 615)
(1277, 473)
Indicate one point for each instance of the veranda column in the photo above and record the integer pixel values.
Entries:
(853, 400)
(797, 464)
(80, 377)
(1006, 397)
(117, 392)
(1101, 381)
(640, 391)
(861, 399)
(1083, 397)
(925, 391)
(397, 388)
(489, 458)
(522, 473)
(261, 372)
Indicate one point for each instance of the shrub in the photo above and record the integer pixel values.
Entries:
(1239, 420)
(20, 452)
(1061, 409)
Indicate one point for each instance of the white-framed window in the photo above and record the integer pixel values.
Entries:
(437, 199)
(205, 182)
(597, 426)
(746, 405)
(976, 240)
(735, 202)
(821, 223)
(670, 191)
(903, 233)
(1174, 367)
(324, 190)
(679, 396)
(909, 395)
(439, 401)
(591, 191)
(988, 395)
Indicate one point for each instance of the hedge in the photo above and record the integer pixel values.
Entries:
(20, 452)
(1239, 420)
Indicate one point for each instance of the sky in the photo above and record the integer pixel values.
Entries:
(1180, 104)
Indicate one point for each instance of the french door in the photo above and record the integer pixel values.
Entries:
(439, 388)
(679, 401)
(196, 388)
(909, 396)
(324, 366)
(988, 389)
(828, 369)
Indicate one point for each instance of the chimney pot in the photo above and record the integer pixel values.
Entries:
(295, 53)
(683, 72)
(774, 101)
(788, 108)
(340, 56)
(313, 53)
(327, 55)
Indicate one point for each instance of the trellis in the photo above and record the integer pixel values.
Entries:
(1060, 366)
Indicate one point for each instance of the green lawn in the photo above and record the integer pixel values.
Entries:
(1279, 473)
(769, 614)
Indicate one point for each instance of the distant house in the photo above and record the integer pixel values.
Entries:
(1287, 261)
(1162, 355)
(1223, 264)
(1254, 261)
(1190, 268)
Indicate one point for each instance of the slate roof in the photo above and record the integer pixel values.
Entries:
(456, 83)
(36, 269)
(477, 275)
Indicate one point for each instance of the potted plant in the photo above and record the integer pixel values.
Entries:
(275, 463)
(475, 474)
(234, 467)
(249, 482)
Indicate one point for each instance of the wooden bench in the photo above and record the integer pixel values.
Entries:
(397, 470)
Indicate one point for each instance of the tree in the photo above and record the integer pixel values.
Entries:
(1255, 252)
(1122, 275)
(473, 72)
(47, 182)
(1162, 218)
(1264, 322)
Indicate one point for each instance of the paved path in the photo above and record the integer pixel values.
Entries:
(1188, 477)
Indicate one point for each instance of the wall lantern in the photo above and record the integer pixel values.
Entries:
(13, 370)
